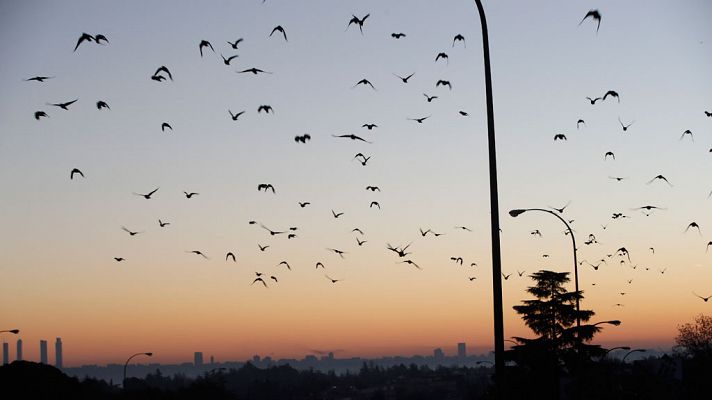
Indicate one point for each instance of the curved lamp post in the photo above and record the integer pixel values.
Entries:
(127, 363)
(614, 348)
(631, 352)
(494, 214)
(517, 212)
(484, 362)
(13, 331)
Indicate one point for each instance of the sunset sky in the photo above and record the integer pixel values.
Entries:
(59, 237)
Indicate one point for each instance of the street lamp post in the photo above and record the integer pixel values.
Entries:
(494, 214)
(631, 352)
(517, 212)
(13, 331)
(127, 364)
(614, 348)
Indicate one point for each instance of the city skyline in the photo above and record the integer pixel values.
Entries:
(62, 232)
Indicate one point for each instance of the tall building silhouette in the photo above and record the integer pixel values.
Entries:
(18, 355)
(43, 351)
(58, 353)
(198, 359)
(5, 353)
(461, 350)
(438, 354)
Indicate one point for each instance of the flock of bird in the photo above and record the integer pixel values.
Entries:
(401, 252)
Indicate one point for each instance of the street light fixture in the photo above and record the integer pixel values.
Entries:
(517, 212)
(127, 364)
(614, 348)
(13, 331)
(631, 352)
(614, 322)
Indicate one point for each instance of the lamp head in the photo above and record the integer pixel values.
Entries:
(15, 331)
(515, 213)
(148, 354)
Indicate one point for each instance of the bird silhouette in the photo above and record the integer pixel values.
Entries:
(705, 299)
(162, 69)
(230, 255)
(374, 203)
(458, 260)
(364, 82)
(131, 233)
(332, 279)
(687, 132)
(286, 264)
(119, 259)
(266, 187)
(360, 242)
(271, 232)
(404, 79)
(352, 137)
(429, 98)
(560, 210)
(362, 158)
(559, 136)
(624, 126)
(102, 104)
(274, 278)
(579, 122)
(191, 194)
(357, 230)
(708, 246)
(166, 125)
(459, 38)
(594, 15)
(419, 120)
(369, 126)
(148, 195)
(99, 37)
(337, 251)
(401, 251)
(506, 277)
(63, 106)
(163, 224)
(444, 56)
(304, 204)
(464, 228)
(609, 153)
(693, 225)
(373, 188)
(262, 248)
(227, 61)
(253, 71)
(235, 116)
(279, 29)
(659, 177)
(423, 233)
(198, 253)
(472, 278)
(442, 82)
(319, 264)
(359, 22)
(205, 43)
(335, 214)
(39, 78)
(612, 93)
(39, 114)
(411, 263)
(617, 178)
(520, 273)
(303, 138)
(536, 232)
(463, 113)
(266, 108)
(259, 279)
(593, 101)
(708, 113)
(75, 171)
(85, 37)
(398, 35)
(235, 44)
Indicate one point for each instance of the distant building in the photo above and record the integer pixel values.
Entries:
(212, 360)
(18, 356)
(43, 351)
(5, 353)
(461, 350)
(58, 353)
(438, 354)
(198, 359)
(311, 358)
(256, 359)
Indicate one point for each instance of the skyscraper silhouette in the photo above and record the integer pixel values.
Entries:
(58, 353)
(18, 355)
(198, 359)
(5, 353)
(43, 351)
(461, 350)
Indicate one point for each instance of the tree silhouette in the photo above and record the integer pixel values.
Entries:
(695, 340)
(561, 346)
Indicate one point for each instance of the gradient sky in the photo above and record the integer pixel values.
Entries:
(58, 237)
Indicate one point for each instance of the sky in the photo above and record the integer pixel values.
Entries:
(59, 237)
